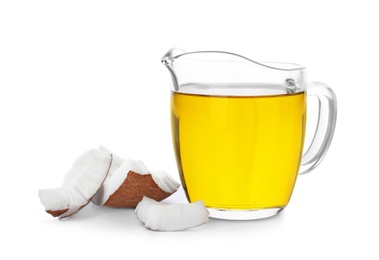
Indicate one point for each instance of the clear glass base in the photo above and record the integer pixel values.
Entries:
(243, 214)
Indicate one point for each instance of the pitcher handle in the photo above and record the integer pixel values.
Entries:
(327, 117)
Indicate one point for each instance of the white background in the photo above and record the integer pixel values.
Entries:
(77, 74)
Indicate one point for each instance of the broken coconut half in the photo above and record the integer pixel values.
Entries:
(171, 217)
(129, 180)
(80, 184)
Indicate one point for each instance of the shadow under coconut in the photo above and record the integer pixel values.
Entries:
(107, 217)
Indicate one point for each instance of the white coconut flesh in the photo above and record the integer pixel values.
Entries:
(118, 173)
(165, 181)
(80, 184)
(171, 217)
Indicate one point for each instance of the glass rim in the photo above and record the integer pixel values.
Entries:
(283, 66)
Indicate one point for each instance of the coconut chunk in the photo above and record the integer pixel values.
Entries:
(165, 181)
(80, 184)
(126, 185)
(171, 217)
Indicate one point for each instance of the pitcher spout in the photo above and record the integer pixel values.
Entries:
(209, 72)
(168, 60)
(169, 57)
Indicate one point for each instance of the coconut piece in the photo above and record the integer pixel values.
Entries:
(171, 217)
(80, 184)
(126, 185)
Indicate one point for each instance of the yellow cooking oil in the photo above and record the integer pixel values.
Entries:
(238, 152)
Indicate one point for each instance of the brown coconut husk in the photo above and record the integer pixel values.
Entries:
(132, 190)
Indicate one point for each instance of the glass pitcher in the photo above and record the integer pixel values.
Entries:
(238, 130)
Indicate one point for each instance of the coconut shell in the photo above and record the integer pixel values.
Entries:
(56, 213)
(104, 161)
(132, 190)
